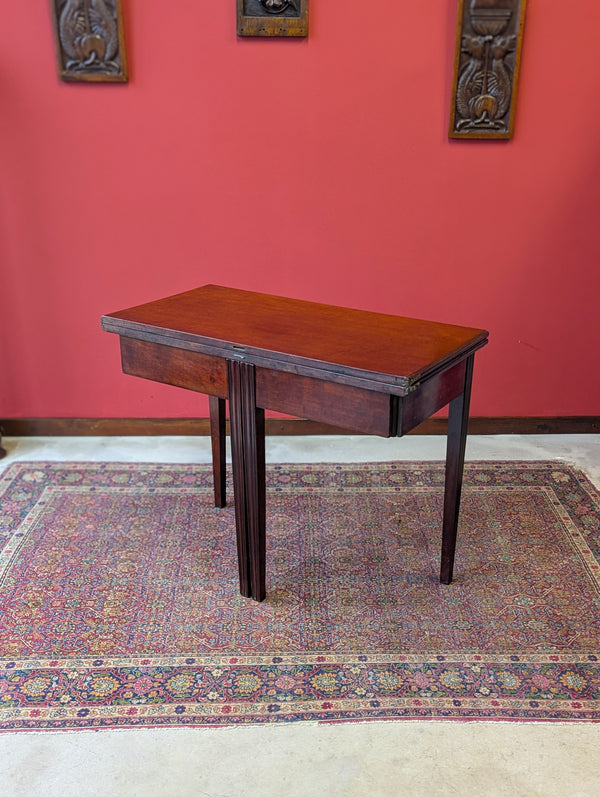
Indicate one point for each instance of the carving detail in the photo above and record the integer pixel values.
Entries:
(89, 39)
(487, 67)
(272, 17)
(88, 34)
(278, 6)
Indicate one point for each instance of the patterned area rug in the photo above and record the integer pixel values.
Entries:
(119, 602)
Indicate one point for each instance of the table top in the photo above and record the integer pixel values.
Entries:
(326, 341)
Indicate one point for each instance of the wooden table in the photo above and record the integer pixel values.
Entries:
(373, 373)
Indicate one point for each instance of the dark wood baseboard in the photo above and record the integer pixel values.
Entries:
(111, 427)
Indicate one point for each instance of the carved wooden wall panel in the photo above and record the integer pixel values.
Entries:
(489, 36)
(89, 39)
(272, 17)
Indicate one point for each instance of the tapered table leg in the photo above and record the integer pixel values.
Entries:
(217, 439)
(458, 419)
(247, 428)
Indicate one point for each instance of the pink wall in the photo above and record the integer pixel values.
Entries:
(319, 169)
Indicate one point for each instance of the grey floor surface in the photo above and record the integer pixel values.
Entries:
(376, 758)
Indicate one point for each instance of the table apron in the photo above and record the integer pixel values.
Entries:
(352, 408)
(191, 370)
(431, 395)
(346, 406)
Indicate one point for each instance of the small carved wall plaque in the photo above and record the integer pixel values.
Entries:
(489, 36)
(90, 44)
(272, 17)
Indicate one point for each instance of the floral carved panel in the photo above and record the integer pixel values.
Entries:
(486, 68)
(89, 40)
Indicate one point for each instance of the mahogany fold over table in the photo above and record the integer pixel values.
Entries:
(369, 372)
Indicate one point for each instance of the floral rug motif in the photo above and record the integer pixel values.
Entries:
(119, 601)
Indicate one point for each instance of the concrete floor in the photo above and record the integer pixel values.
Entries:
(377, 758)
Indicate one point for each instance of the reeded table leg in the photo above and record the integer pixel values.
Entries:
(458, 419)
(247, 427)
(217, 439)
